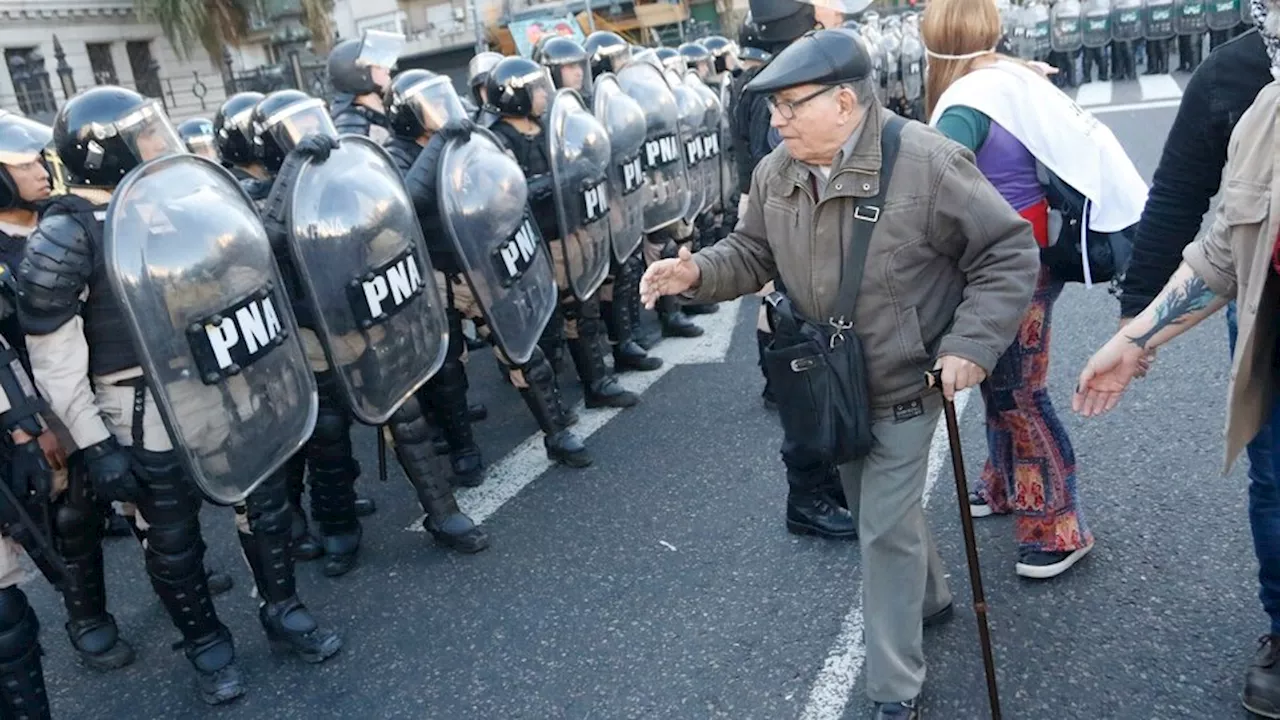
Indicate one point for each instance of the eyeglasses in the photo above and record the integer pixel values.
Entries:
(787, 109)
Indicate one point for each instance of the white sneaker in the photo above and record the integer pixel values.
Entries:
(1044, 565)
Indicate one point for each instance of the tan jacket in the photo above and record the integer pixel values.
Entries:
(1234, 258)
(951, 268)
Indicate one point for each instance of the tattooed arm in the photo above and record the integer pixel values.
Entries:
(1184, 302)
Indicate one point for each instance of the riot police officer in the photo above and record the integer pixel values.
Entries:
(520, 92)
(607, 52)
(423, 124)
(478, 74)
(291, 128)
(28, 440)
(197, 135)
(360, 71)
(101, 135)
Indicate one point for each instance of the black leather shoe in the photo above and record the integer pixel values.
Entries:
(457, 532)
(906, 710)
(219, 582)
(630, 356)
(468, 467)
(365, 507)
(567, 449)
(941, 616)
(677, 324)
(1262, 683)
(477, 412)
(700, 309)
(306, 548)
(291, 628)
(815, 515)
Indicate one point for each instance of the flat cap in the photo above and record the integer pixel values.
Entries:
(823, 57)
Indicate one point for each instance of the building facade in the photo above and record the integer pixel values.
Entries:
(56, 47)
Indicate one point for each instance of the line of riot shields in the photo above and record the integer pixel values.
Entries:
(898, 59)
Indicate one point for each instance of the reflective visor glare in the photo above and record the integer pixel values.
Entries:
(21, 140)
(150, 135)
(436, 107)
(380, 49)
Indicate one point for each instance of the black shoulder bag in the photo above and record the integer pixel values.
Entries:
(818, 369)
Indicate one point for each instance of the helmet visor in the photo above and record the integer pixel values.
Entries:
(380, 49)
(297, 121)
(148, 133)
(21, 140)
(203, 145)
(435, 103)
(613, 58)
(573, 75)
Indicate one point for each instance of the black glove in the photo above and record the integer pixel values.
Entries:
(29, 473)
(110, 472)
(460, 129)
(316, 146)
(540, 186)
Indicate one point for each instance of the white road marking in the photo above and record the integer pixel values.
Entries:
(1130, 107)
(1159, 87)
(830, 693)
(1094, 93)
(507, 477)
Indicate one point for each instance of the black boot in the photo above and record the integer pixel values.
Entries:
(1262, 683)
(305, 545)
(365, 506)
(627, 355)
(333, 506)
(700, 309)
(445, 396)
(635, 270)
(814, 514)
(77, 539)
(545, 404)
(445, 521)
(206, 642)
(22, 693)
(674, 322)
(290, 627)
(600, 386)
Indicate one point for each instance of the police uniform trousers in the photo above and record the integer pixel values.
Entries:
(903, 580)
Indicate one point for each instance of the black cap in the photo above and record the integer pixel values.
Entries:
(823, 57)
(778, 22)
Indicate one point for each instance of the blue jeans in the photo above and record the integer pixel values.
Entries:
(1264, 499)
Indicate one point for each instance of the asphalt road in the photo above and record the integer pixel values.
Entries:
(661, 583)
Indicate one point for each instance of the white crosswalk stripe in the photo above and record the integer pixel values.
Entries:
(1160, 90)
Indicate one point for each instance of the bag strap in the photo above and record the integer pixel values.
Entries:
(865, 217)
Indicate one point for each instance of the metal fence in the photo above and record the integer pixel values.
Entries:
(310, 77)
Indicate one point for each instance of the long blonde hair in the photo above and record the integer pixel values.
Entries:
(955, 27)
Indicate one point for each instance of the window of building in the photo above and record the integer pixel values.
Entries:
(31, 82)
(393, 22)
(101, 63)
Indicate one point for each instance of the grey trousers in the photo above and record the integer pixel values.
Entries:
(902, 576)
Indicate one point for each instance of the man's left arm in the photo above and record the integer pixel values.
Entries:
(995, 249)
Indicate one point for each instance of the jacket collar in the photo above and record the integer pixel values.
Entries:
(861, 167)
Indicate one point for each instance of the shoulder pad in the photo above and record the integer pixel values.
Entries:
(351, 121)
(403, 153)
(55, 269)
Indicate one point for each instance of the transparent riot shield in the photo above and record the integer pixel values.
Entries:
(911, 64)
(1189, 15)
(1223, 14)
(206, 306)
(1043, 29)
(580, 155)
(484, 210)
(666, 190)
(1097, 23)
(709, 138)
(367, 278)
(1068, 27)
(623, 118)
(1127, 20)
(728, 152)
(1159, 19)
(692, 121)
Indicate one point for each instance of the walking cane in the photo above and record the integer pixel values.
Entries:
(934, 379)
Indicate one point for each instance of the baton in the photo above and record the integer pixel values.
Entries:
(382, 453)
(934, 380)
(33, 539)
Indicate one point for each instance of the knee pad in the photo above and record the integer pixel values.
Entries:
(538, 371)
(408, 426)
(75, 527)
(175, 552)
(19, 628)
(332, 434)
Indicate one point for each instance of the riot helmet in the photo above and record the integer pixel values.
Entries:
(698, 58)
(104, 132)
(197, 135)
(780, 22)
(22, 143)
(607, 52)
(363, 66)
(723, 52)
(232, 128)
(671, 59)
(750, 47)
(518, 87)
(478, 74)
(282, 119)
(420, 102)
(567, 62)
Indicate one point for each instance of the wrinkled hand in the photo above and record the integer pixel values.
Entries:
(316, 146)
(1148, 358)
(460, 129)
(1106, 376)
(669, 277)
(29, 473)
(110, 472)
(958, 374)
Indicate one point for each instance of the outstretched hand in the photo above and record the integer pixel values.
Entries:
(669, 277)
(1106, 376)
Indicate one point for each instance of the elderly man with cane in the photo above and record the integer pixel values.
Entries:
(898, 257)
